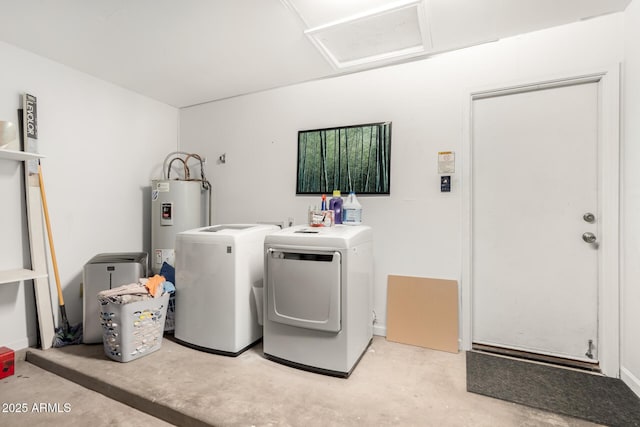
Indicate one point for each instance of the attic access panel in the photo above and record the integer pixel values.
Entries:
(393, 32)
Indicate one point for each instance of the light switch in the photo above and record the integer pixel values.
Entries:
(445, 184)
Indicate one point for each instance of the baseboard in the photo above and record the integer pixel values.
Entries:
(380, 330)
(630, 380)
(20, 344)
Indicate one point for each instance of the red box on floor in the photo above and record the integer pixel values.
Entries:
(6, 362)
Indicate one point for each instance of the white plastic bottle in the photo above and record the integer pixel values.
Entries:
(351, 210)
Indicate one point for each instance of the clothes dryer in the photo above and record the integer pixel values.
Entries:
(318, 297)
(219, 273)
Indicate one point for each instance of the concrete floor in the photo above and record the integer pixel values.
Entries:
(393, 385)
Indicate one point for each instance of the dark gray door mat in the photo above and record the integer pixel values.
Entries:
(579, 394)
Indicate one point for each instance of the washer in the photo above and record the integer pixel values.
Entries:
(318, 297)
(219, 276)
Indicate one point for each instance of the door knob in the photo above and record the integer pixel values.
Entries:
(589, 217)
(589, 237)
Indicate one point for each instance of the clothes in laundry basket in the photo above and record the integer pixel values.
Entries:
(169, 272)
(155, 285)
(132, 319)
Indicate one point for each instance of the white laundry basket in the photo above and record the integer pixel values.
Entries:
(132, 330)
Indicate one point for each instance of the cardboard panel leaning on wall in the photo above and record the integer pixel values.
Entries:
(423, 312)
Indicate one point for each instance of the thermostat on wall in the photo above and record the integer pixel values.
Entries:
(445, 184)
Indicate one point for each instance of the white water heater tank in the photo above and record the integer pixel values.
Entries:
(176, 206)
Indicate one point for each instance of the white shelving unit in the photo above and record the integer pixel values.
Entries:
(38, 252)
(18, 274)
(18, 155)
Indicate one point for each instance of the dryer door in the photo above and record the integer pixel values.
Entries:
(303, 288)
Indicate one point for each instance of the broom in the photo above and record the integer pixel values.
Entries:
(65, 334)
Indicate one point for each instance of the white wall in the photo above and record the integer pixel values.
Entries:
(103, 145)
(417, 229)
(630, 293)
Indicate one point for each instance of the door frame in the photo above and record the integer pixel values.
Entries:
(608, 80)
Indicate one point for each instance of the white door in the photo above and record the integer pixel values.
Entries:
(534, 194)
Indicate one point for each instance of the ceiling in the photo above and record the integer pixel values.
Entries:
(189, 52)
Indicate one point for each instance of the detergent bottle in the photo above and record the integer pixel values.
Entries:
(352, 211)
(335, 204)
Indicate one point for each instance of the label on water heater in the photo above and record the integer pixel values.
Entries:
(161, 256)
(166, 214)
(163, 186)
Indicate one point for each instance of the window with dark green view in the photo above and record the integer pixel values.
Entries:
(351, 158)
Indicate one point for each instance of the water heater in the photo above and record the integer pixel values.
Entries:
(176, 206)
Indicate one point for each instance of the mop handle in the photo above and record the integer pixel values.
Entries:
(53, 251)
